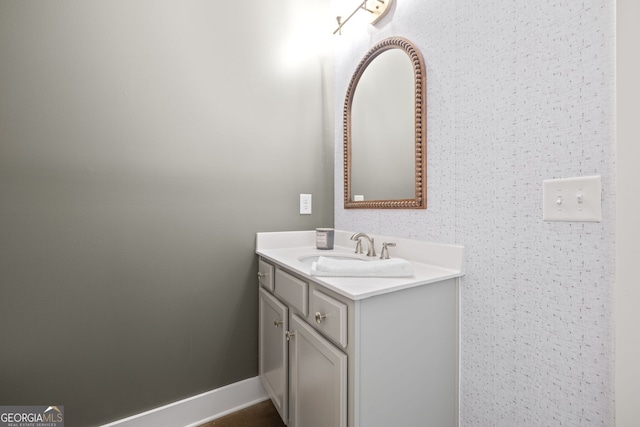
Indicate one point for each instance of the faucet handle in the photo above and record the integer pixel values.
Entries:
(358, 246)
(385, 251)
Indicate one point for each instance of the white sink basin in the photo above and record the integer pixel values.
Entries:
(310, 259)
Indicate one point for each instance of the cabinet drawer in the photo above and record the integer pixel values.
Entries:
(265, 275)
(329, 316)
(292, 290)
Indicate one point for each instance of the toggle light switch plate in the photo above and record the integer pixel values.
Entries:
(572, 199)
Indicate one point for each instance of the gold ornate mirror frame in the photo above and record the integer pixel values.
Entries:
(419, 201)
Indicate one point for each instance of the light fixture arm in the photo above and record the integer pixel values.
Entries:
(377, 11)
(341, 22)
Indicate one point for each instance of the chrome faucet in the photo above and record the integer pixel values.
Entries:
(371, 250)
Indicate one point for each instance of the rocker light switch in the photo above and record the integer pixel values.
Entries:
(305, 204)
(572, 199)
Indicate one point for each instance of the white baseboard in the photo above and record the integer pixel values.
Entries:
(200, 409)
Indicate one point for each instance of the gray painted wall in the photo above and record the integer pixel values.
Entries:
(142, 145)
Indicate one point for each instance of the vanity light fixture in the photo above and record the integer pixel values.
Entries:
(376, 8)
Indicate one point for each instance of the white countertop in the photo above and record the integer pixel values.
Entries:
(432, 262)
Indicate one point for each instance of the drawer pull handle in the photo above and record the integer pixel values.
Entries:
(289, 335)
(320, 317)
(277, 323)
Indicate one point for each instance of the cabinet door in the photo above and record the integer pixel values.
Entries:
(318, 379)
(273, 357)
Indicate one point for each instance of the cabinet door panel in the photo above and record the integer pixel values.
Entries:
(273, 355)
(318, 374)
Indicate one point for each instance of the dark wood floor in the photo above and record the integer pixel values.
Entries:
(263, 414)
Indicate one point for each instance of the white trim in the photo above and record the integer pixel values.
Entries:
(200, 409)
(627, 288)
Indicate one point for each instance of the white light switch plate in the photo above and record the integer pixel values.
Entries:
(572, 199)
(305, 204)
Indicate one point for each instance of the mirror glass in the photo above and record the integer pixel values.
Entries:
(384, 131)
(382, 135)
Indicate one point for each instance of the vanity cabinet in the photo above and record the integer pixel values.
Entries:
(330, 361)
(304, 374)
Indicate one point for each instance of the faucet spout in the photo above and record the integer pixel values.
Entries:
(371, 250)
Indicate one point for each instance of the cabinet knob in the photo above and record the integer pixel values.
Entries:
(261, 275)
(277, 323)
(289, 335)
(320, 317)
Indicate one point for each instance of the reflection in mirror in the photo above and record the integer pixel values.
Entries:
(384, 137)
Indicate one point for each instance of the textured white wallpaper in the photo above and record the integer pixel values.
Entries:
(517, 92)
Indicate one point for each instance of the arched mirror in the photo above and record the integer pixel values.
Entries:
(384, 129)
